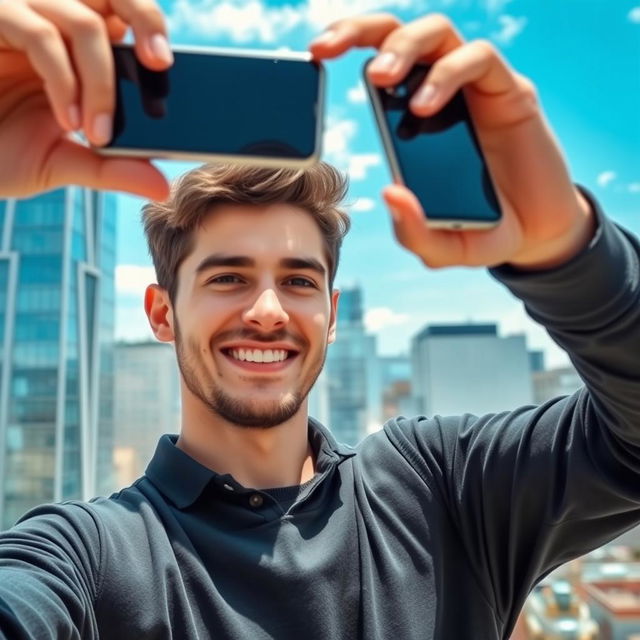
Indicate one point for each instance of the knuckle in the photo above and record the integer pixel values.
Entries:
(485, 48)
(440, 21)
(392, 20)
(89, 25)
(43, 33)
(527, 87)
(150, 14)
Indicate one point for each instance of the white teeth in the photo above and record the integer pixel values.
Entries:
(257, 355)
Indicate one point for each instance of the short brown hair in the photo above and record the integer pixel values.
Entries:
(169, 225)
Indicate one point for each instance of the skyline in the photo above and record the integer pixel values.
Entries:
(591, 95)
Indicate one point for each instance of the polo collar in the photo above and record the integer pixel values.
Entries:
(182, 479)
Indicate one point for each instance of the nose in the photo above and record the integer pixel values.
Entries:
(266, 312)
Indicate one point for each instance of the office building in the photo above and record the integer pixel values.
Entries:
(146, 404)
(57, 259)
(553, 383)
(355, 394)
(615, 605)
(469, 368)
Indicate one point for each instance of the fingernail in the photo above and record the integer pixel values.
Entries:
(73, 113)
(424, 96)
(102, 128)
(384, 62)
(160, 48)
(324, 38)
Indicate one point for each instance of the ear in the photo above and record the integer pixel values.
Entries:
(157, 306)
(335, 295)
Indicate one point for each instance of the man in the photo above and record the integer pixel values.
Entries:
(255, 523)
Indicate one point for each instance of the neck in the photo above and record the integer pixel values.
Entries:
(278, 456)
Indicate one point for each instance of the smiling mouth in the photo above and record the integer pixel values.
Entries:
(266, 356)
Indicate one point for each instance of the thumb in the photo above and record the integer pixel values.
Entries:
(435, 247)
(73, 163)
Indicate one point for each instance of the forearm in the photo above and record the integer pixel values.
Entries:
(591, 308)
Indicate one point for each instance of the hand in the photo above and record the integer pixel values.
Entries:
(546, 221)
(56, 76)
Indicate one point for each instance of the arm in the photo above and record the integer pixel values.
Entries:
(49, 575)
(530, 489)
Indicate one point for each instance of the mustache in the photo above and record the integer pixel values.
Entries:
(255, 336)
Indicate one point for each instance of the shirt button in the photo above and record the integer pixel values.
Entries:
(256, 500)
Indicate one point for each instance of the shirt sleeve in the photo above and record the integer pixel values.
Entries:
(533, 488)
(49, 569)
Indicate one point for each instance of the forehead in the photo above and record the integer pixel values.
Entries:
(261, 232)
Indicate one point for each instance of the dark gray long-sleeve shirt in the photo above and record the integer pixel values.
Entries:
(434, 527)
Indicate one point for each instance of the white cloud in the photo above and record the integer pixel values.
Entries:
(510, 27)
(359, 163)
(357, 94)
(496, 6)
(337, 149)
(381, 317)
(132, 280)
(605, 178)
(634, 15)
(363, 204)
(241, 20)
(337, 137)
(252, 20)
(634, 187)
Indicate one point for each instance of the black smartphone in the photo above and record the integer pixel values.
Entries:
(438, 158)
(227, 105)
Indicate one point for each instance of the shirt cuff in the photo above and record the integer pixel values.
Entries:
(589, 287)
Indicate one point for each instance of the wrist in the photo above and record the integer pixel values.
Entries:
(563, 249)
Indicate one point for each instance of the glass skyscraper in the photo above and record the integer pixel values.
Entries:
(351, 370)
(57, 261)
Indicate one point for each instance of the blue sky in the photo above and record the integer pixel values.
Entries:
(583, 56)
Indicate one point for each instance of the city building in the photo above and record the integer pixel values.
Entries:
(615, 605)
(395, 380)
(353, 378)
(57, 260)
(553, 383)
(462, 368)
(146, 405)
(554, 611)
(536, 360)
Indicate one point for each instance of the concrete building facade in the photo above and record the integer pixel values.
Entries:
(469, 368)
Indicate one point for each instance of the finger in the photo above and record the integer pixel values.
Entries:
(150, 31)
(89, 41)
(436, 248)
(72, 163)
(477, 64)
(441, 247)
(426, 39)
(360, 31)
(23, 30)
(116, 28)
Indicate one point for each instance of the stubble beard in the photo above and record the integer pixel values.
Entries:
(238, 411)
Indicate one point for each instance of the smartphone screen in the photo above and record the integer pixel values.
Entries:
(222, 104)
(438, 157)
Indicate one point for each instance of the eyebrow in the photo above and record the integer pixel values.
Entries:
(224, 260)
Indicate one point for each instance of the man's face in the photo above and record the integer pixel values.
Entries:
(253, 313)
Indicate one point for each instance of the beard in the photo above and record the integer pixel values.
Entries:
(242, 412)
